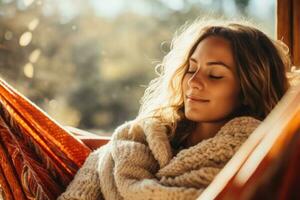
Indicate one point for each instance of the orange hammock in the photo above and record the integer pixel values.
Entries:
(38, 157)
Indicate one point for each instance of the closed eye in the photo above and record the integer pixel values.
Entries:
(215, 77)
(191, 72)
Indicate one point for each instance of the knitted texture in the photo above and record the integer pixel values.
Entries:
(138, 163)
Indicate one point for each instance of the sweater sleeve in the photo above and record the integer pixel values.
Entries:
(134, 172)
(86, 184)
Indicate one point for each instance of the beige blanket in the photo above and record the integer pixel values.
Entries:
(138, 163)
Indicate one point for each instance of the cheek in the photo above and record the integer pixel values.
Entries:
(228, 95)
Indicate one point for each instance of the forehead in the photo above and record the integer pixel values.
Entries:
(214, 48)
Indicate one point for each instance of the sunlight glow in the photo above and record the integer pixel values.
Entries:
(34, 56)
(33, 24)
(25, 39)
(28, 70)
(28, 2)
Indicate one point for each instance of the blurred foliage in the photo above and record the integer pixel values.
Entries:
(86, 69)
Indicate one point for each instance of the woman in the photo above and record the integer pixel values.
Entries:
(216, 84)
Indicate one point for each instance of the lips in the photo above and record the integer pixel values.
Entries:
(194, 98)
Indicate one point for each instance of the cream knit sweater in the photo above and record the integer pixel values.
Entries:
(138, 164)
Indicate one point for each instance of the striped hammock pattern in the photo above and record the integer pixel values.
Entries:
(38, 157)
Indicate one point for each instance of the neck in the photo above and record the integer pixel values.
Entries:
(203, 130)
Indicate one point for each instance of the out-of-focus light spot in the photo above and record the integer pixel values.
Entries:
(25, 39)
(28, 70)
(8, 35)
(74, 27)
(39, 3)
(33, 24)
(53, 103)
(28, 2)
(34, 56)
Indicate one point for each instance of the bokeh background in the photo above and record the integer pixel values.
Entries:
(87, 62)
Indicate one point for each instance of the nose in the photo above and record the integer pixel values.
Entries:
(196, 81)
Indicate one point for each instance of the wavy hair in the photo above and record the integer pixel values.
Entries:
(261, 67)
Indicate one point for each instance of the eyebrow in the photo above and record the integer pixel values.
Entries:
(213, 63)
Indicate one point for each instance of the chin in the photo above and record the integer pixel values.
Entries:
(195, 117)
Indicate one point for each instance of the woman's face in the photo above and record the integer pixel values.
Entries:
(210, 86)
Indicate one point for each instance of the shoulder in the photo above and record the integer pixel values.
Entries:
(140, 129)
(133, 130)
(122, 131)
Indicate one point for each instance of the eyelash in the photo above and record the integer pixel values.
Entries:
(210, 76)
(190, 72)
(215, 77)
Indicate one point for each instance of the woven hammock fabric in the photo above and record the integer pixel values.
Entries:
(38, 157)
